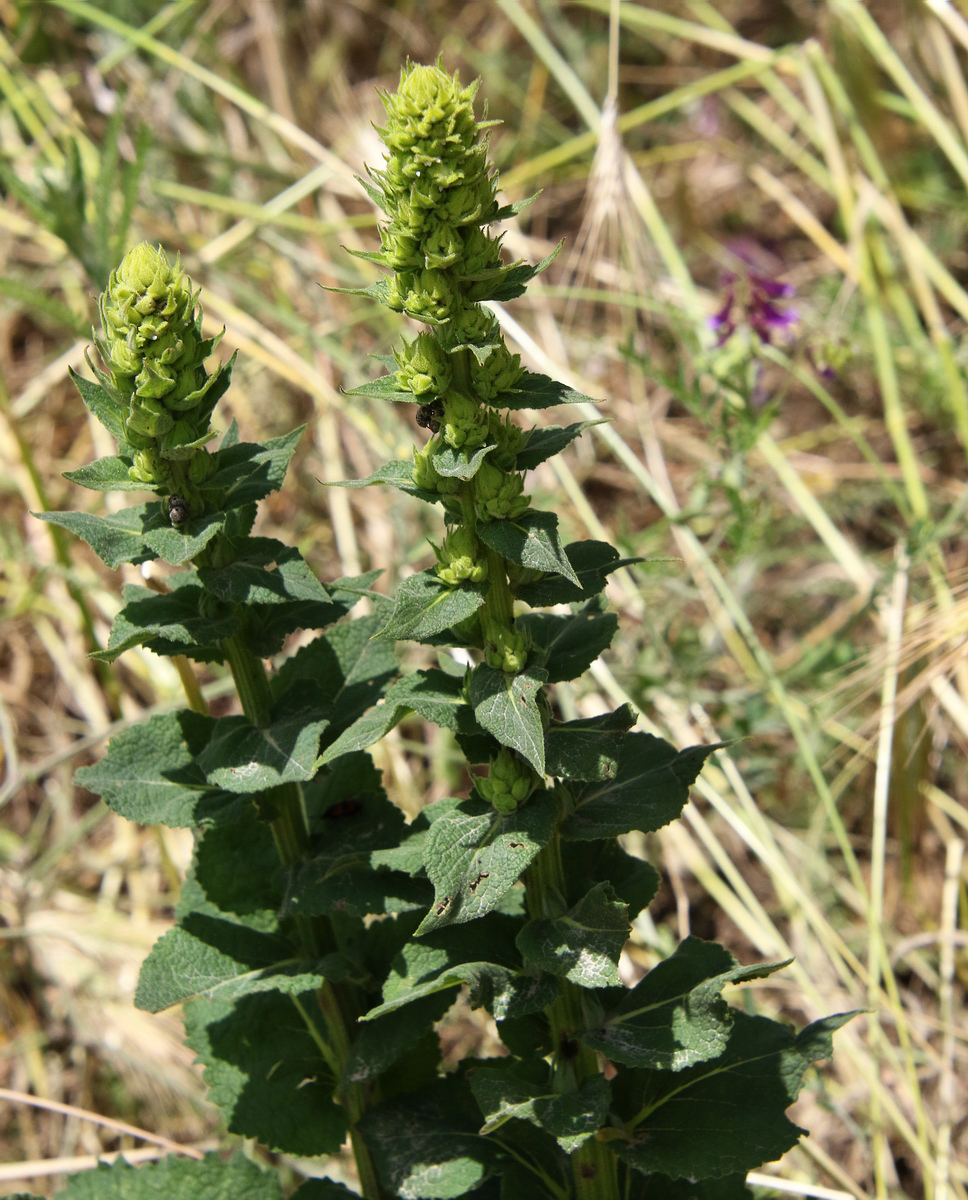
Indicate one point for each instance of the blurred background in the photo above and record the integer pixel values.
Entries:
(764, 280)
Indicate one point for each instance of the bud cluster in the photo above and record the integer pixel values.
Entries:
(152, 346)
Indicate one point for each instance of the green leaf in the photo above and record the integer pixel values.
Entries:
(340, 673)
(264, 571)
(211, 1177)
(379, 1044)
(569, 644)
(399, 474)
(324, 1189)
(508, 282)
(503, 1092)
(458, 464)
(507, 707)
(590, 747)
(531, 541)
(539, 391)
(265, 1071)
(216, 957)
(410, 854)
(423, 607)
(582, 945)
(356, 820)
(546, 441)
(181, 545)
(426, 1146)
(737, 1100)
(150, 774)
(435, 695)
(591, 562)
(676, 1016)
(634, 880)
(243, 758)
(109, 409)
(116, 539)
(107, 475)
(475, 855)
(482, 956)
(384, 388)
(170, 623)
(250, 471)
(649, 789)
(235, 874)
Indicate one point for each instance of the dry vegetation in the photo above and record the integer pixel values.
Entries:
(803, 498)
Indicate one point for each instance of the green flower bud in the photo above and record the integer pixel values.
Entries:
(429, 114)
(481, 253)
(509, 782)
(505, 650)
(148, 468)
(500, 496)
(424, 472)
(458, 558)
(443, 247)
(424, 367)
(465, 423)
(148, 417)
(499, 372)
(508, 439)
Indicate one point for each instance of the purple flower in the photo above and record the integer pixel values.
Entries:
(750, 298)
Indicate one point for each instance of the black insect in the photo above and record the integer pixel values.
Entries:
(343, 808)
(430, 415)
(178, 510)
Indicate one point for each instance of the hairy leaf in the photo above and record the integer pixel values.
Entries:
(590, 747)
(174, 1178)
(107, 475)
(570, 644)
(737, 1099)
(591, 562)
(648, 790)
(426, 1146)
(474, 855)
(676, 1016)
(539, 391)
(150, 774)
(503, 1092)
(582, 945)
(423, 606)
(241, 757)
(109, 408)
(216, 957)
(506, 706)
(546, 441)
(399, 474)
(250, 471)
(459, 464)
(530, 540)
(115, 539)
(265, 1070)
(175, 622)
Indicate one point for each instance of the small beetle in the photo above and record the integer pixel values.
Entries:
(178, 510)
(429, 416)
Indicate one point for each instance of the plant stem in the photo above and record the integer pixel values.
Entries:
(290, 831)
(594, 1167)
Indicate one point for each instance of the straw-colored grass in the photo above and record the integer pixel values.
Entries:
(807, 595)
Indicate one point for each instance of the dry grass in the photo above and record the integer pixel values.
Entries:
(816, 605)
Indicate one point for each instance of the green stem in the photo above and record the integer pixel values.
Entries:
(290, 831)
(594, 1167)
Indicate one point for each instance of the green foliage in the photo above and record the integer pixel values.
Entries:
(319, 937)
